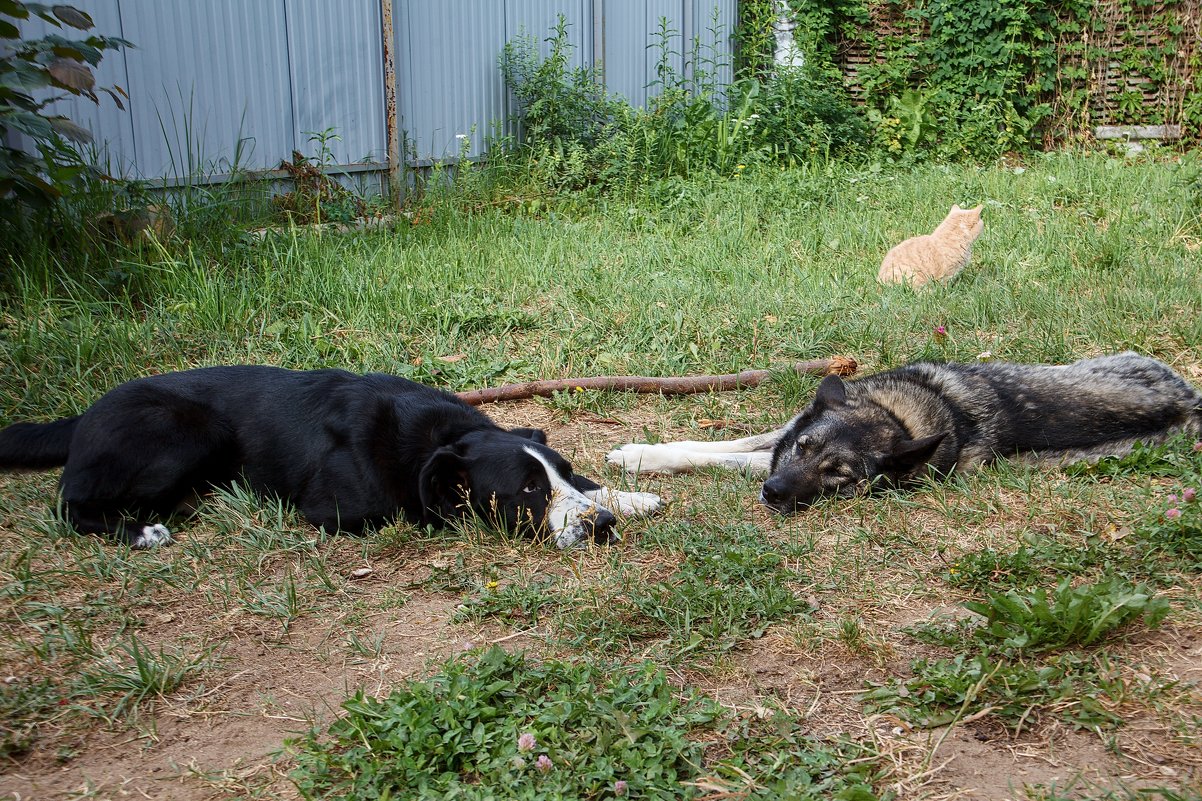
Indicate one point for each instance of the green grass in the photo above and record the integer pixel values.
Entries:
(557, 730)
(1009, 673)
(1015, 693)
(1082, 254)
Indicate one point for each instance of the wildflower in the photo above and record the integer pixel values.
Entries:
(1198, 447)
(741, 167)
(984, 355)
(1019, 170)
(526, 742)
(620, 787)
(1172, 514)
(1172, 498)
(467, 645)
(1189, 494)
(492, 585)
(543, 763)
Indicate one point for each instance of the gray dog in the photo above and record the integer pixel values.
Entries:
(889, 429)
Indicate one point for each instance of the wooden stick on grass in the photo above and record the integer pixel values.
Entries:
(677, 385)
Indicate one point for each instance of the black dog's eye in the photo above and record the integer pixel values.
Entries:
(531, 487)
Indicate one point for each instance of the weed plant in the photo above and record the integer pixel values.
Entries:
(1016, 623)
(559, 730)
(1016, 693)
(1008, 677)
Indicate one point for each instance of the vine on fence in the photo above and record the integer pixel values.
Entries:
(979, 77)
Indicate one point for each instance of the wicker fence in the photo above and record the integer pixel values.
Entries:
(1132, 65)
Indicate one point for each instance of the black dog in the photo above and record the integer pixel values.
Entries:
(348, 450)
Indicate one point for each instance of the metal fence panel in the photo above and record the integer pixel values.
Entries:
(219, 84)
(685, 35)
(537, 18)
(336, 65)
(446, 66)
(211, 84)
(449, 84)
(632, 50)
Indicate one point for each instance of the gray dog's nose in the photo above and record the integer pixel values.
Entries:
(775, 491)
(602, 525)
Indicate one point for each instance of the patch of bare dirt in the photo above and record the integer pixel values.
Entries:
(264, 692)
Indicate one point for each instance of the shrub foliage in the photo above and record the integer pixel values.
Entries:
(34, 72)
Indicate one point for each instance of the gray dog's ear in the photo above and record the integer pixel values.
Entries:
(911, 453)
(536, 434)
(443, 484)
(831, 392)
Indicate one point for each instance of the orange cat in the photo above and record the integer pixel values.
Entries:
(936, 256)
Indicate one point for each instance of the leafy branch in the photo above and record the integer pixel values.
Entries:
(34, 73)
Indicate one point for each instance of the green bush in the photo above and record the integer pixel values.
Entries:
(577, 136)
(34, 73)
(801, 114)
(557, 104)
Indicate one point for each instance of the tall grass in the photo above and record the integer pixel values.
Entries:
(1081, 254)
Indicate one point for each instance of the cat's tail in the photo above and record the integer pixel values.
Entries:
(36, 446)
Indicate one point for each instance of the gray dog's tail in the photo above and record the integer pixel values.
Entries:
(36, 446)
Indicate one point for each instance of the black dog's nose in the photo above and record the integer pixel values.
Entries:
(775, 491)
(603, 526)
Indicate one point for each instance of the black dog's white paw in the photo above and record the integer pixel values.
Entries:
(152, 537)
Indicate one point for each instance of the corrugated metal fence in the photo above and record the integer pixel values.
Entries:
(222, 85)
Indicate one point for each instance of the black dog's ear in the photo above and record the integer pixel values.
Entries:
(911, 453)
(831, 392)
(536, 434)
(443, 484)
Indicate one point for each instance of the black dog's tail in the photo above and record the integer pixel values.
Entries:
(36, 446)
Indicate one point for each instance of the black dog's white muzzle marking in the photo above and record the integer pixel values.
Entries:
(568, 509)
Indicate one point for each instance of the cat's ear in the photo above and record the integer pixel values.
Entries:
(956, 207)
(978, 209)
